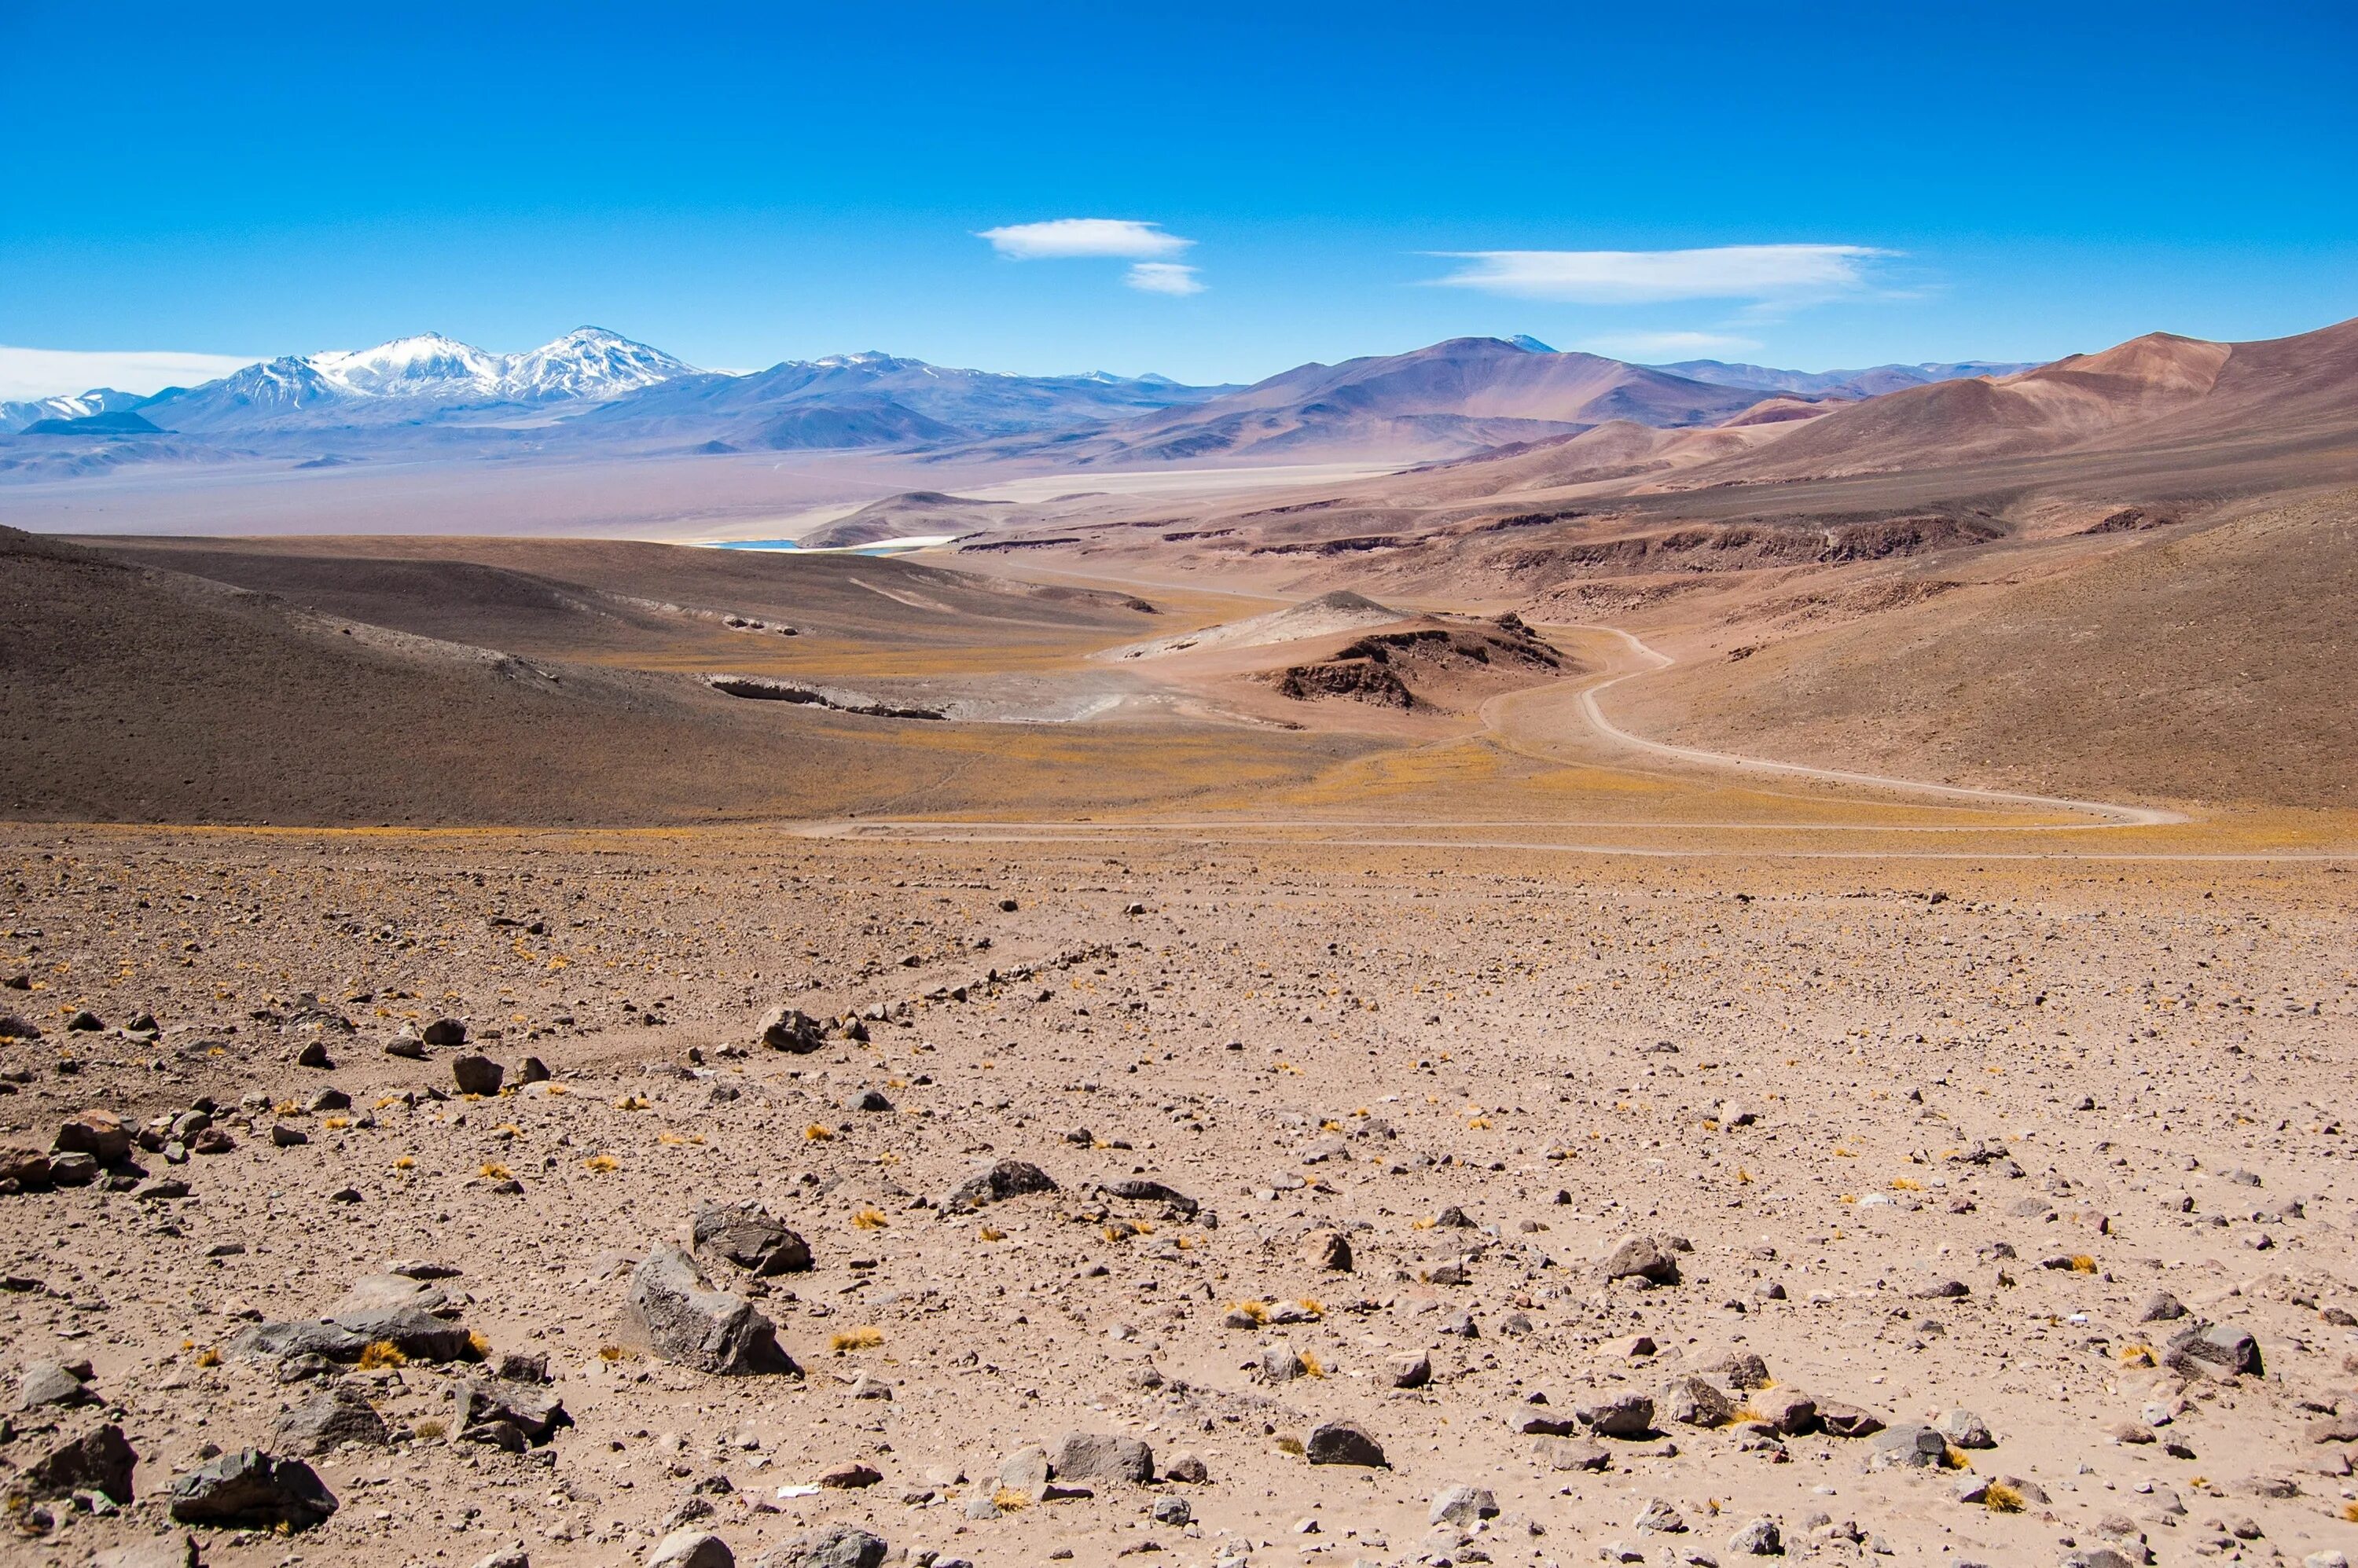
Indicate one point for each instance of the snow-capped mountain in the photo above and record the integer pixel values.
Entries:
(426, 377)
(14, 416)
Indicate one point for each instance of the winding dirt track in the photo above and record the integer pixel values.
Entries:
(2108, 814)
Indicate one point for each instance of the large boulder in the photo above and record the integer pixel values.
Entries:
(746, 1235)
(337, 1414)
(996, 1184)
(532, 1409)
(1102, 1456)
(1464, 1506)
(1344, 1442)
(674, 1309)
(828, 1546)
(416, 1333)
(250, 1490)
(54, 1383)
(174, 1550)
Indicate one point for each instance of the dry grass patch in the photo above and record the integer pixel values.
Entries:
(869, 1219)
(381, 1354)
(868, 1336)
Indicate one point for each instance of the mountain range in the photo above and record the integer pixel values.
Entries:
(593, 392)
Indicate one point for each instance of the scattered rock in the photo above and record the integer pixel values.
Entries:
(250, 1490)
(1641, 1258)
(97, 1133)
(1412, 1369)
(789, 1029)
(1092, 1456)
(1965, 1430)
(1327, 1250)
(337, 1414)
(828, 1546)
(97, 1460)
(744, 1234)
(1624, 1413)
(1760, 1537)
(1343, 1442)
(54, 1383)
(477, 1074)
(996, 1184)
(681, 1318)
(1463, 1506)
(1691, 1401)
(446, 1031)
(691, 1549)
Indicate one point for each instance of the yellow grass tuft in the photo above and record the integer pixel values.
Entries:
(1310, 1365)
(602, 1164)
(1743, 1175)
(430, 1429)
(493, 1171)
(336, 1124)
(613, 1353)
(1954, 1458)
(866, 1337)
(1905, 1184)
(2349, 1512)
(381, 1354)
(477, 1343)
(2083, 1264)
(1311, 1305)
(1009, 1499)
(1289, 1445)
(668, 1136)
(1256, 1311)
(990, 1233)
(869, 1219)
(815, 1134)
(2001, 1498)
(630, 1102)
(405, 1164)
(1478, 1122)
(209, 1355)
(1420, 1225)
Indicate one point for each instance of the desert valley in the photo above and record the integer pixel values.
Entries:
(1413, 945)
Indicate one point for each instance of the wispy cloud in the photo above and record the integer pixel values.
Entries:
(50, 372)
(1163, 277)
(1787, 275)
(1066, 237)
(1663, 345)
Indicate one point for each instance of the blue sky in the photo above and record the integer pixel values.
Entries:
(741, 185)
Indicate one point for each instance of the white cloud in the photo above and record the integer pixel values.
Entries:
(1066, 237)
(1784, 274)
(1623, 345)
(51, 372)
(1163, 277)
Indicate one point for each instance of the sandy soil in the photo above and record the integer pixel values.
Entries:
(1828, 1090)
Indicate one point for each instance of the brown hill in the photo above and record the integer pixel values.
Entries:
(2150, 392)
(2208, 664)
(1442, 401)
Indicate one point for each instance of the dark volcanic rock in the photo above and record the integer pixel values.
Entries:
(746, 1235)
(1343, 1442)
(251, 1490)
(996, 1184)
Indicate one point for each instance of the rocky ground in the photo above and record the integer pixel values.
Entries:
(469, 1198)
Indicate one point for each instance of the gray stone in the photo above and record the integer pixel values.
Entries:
(1099, 1456)
(996, 1184)
(1761, 1538)
(1618, 1414)
(388, 1292)
(1966, 1430)
(1410, 1371)
(1463, 1506)
(534, 1411)
(418, 1335)
(1173, 1511)
(675, 1311)
(513, 1556)
(1658, 1518)
(1343, 1442)
(828, 1546)
(691, 1549)
(53, 1383)
(1563, 1454)
(1281, 1363)
(2095, 1557)
(1788, 1410)
(1936, 1290)
(1540, 1419)
(250, 1490)
(446, 1031)
(745, 1234)
(477, 1074)
(1737, 1369)
(1025, 1471)
(1911, 1445)
(1189, 1470)
(311, 1336)
(1642, 1256)
(337, 1414)
(1839, 1420)
(2160, 1307)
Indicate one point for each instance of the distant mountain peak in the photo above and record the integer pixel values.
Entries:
(1530, 344)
